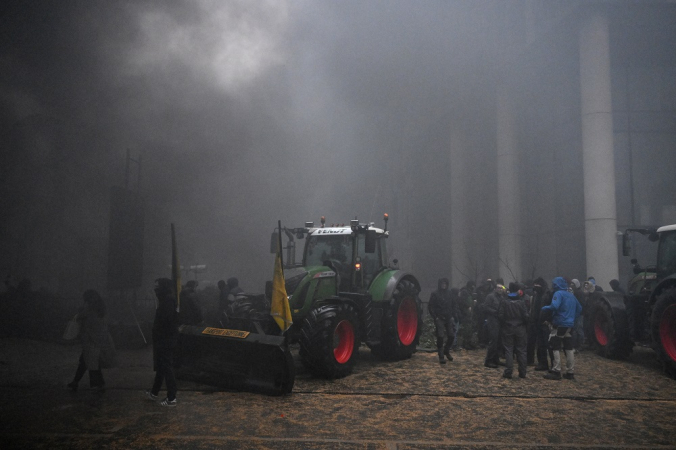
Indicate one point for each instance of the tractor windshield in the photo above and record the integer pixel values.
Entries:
(666, 254)
(332, 248)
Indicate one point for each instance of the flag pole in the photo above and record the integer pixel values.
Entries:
(279, 240)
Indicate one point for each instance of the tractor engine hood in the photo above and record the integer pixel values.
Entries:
(293, 277)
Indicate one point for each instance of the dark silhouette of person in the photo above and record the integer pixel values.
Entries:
(189, 311)
(98, 349)
(165, 339)
(514, 317)
(443, 308)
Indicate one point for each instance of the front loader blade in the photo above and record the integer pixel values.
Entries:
(235, 359)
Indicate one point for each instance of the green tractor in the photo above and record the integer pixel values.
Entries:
(647, 313)
(344, 292)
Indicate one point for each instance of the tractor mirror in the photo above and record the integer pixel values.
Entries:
(274, 242)
(370, 242)
(626, 244)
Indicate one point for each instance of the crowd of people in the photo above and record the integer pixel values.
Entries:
(535, 321)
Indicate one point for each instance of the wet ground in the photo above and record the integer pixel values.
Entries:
(413, 404)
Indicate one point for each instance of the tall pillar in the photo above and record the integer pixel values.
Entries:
(597, 149)
(509, 204)
(460, 271)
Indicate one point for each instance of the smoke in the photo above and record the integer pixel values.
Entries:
(243, 113)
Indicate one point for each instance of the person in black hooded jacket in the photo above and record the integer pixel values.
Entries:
(539, 319)
(165, 339)
(490, 308)
(514, 318)
(443, 308)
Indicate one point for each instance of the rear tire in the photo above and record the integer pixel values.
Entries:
(609, 334)
(663, 330)
(329, 340)
(402, 324)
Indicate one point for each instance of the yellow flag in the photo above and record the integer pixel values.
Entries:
(279, 309)
(175, 269)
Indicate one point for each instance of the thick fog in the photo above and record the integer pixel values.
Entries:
(244, 113)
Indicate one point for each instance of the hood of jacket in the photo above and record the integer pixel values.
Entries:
(559, 284)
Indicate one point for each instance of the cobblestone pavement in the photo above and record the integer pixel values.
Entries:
(413, 404)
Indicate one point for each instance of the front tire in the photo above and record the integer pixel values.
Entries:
(402, 324)
(329, 340)
(663, 330)
(609, 333)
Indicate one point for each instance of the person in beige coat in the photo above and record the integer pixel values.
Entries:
(98, 349)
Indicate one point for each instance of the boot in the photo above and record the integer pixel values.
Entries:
(553, 375)
(442, 360)
(448, 355)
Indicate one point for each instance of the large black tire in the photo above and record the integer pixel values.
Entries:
(402, 324)
(329, 340)
(663, 329)
(608, 333)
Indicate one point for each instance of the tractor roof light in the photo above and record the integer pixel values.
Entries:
(309, 224)
(386, 217)
(354, 224)
(323, 221)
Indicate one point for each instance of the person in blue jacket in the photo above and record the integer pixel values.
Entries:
(565, 309)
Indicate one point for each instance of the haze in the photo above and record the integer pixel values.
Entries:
(246, 112)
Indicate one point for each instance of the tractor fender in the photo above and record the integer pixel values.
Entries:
(383, 289)
(341, 299)
(615, 300)
(664, 284)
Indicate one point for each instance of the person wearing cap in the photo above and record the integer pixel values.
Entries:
(565, 309)
(597, 288)
(165, 339)
(514, 319)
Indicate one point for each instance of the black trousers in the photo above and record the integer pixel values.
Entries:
(543, 345)
(532, 342)
(164, 372)
(514, 340)
(95, 376)
(493, 331)
(442, 326)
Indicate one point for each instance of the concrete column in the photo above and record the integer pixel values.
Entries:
(460, 272)
(597, 149)
(509, 205)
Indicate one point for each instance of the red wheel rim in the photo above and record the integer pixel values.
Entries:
(668, 331)
(599, 332)
(343, 340)
(407, 321)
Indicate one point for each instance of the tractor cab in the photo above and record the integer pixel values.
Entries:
(649, 276)
(356, 253)
(666, 251)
